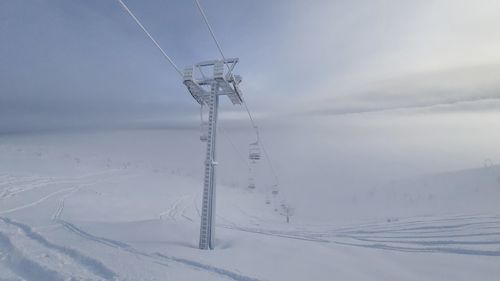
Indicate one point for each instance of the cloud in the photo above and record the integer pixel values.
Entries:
(439, 90)
(87, 60)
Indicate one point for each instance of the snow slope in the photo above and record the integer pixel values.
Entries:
(125, 206)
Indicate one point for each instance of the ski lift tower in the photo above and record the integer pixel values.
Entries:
(206, 91)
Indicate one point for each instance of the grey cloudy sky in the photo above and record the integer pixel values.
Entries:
(64, 62)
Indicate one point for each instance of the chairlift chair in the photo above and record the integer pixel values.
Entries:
(251, 182)
(275, 190)
(204, 130)
(254, 151)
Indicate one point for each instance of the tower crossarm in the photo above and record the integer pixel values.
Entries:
(196, 90)
(222, 76)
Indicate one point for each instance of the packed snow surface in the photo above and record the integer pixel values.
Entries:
(115, 206)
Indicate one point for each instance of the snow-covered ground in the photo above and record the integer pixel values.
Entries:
(125, 206)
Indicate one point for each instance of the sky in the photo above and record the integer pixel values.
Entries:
(62, 60)
(408, 87)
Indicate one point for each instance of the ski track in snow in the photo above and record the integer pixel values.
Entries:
(195, 203)
(173, 210)
(15, 185)
(156, 256)
(424, 250)
(282, 234)
(183, 213)
(178, 208)
(57, 214)
(448, 236)
(37, 201)
(93, 265)
(23, 187)
(220, 271)
(23, 267)
(463, 235)
(80, 181)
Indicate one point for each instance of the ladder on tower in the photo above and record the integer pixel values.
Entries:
(208, 201)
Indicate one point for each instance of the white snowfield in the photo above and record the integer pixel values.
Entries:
(119, 208)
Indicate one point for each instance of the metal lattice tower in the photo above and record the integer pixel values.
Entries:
(206, 91)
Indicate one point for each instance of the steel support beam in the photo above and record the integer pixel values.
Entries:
(207, 227)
